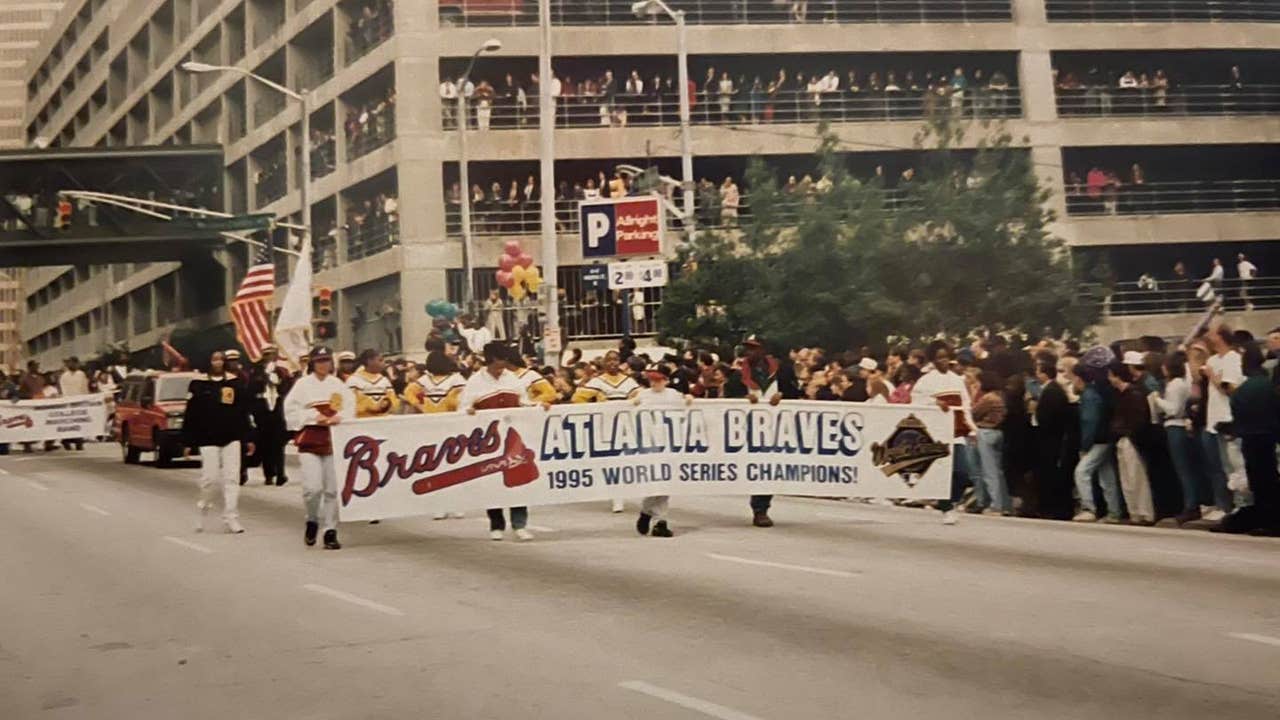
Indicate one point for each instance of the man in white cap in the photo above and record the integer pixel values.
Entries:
(877, 389)
(317, 402)
(654, 508)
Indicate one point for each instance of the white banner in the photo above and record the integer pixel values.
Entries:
(82, 416)
(423, 464)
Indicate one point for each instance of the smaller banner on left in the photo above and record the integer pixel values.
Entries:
(82, 416)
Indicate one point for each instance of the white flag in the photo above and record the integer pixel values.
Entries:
(293, 327)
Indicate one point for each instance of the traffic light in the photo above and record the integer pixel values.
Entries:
(325, 327)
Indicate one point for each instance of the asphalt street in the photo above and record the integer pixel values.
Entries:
(113, 607)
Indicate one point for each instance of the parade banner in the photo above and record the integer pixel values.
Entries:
(422, 464)
(83, 416)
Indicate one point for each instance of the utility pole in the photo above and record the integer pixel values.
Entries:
(546, 165)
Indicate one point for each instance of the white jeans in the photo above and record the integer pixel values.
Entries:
(221, 466)
(655, 506)
(319, 490)
(1134, 482)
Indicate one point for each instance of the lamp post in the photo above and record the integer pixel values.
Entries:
(468, 249)
(653, 7)
(301, 99)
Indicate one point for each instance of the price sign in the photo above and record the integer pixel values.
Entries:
(637, 274)
(551, 343)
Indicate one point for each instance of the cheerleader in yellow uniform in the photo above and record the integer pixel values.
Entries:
(437, 391)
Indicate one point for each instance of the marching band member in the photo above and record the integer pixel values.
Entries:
(270, 382)
(218, 421)
(612, 384)
(658, 394)
(539, 389)
(375, 396)
(437, 391)
(492, 387)
(317, 402)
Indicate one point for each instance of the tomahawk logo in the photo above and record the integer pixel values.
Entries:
(439, 465)
(17, 421)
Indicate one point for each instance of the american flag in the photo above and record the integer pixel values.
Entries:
(251, 308)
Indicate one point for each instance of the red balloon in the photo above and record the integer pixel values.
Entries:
(525, 260)
(506, 262)
(513, 248)
(505, 279)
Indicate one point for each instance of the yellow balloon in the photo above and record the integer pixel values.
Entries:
(533, 279)
(519, 274)
(517, 291)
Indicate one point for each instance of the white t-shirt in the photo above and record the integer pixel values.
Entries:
(1229, 369)
(483, 391)
(666, 397)
(948, 387)
(1247, 270)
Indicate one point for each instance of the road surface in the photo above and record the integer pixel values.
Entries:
(115, 608)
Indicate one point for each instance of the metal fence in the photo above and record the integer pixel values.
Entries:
(1165, 198)
(746, 106)
(270, 185)
(371, 237)
(586, 313)
(1165, 297)
(489, 13)
(1183, 100)
(366, 34)
(1163, 10)
(378, 131)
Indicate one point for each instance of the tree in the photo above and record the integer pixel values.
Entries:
(960, 245)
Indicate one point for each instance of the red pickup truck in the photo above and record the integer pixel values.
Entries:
(149, 415)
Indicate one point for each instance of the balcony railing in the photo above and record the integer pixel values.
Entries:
(1170, 296)
(743, 108)
(1162, 10)
(378, 131)
(371, 238)
(1167, 198)
(1183, 101)
(269, 188)
(491, 13)
(369, 33)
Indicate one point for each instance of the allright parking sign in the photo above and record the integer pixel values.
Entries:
(622, 227)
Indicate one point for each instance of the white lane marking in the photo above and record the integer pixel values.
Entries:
(188, 544)
(706, 707)
(3, 471)
(353, 599)
(541, 528)
(37, 485)
(1264, 639)
(781, 566)
(94, 509)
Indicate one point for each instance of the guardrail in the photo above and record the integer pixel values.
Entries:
(1167, 198)
(371, 238)
(1179, 101)
(746, 106)
(490, 13)
(270, 187)
(1167, 297)
(1162, 11)
(379, 131)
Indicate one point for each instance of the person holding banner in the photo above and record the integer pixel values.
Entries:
(654, 507)
(947, 390)
(759, 374)
(492, 388)
(317, 402)
(218, 421)
(437, 391)
(375, 396)
(611, 384)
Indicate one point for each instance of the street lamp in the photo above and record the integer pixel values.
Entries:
(642, 8)
(468, 250)
(198, 67)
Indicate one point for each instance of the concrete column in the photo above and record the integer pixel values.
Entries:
(1035, 79)
(1029, 12)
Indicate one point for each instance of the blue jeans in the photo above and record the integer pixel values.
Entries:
(991, 463)
(1180, 455)
(1216, 472)
(961, 465)
(519, 516)
(1099, 459)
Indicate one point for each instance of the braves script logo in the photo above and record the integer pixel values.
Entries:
(909, 451)
(17, 421)
(364, 460)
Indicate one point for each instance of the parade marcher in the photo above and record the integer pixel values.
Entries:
(73, 382)
(436, 390)
(231, 364)
(219, 422)
(612, 384)
(491, 388)
(317, 402)
(654, 508)
(947, 390)
(269, 384)
(538, 387)
(346, 364)
(375, 396)
(757, 375)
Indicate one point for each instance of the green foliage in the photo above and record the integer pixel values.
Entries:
(961, 245)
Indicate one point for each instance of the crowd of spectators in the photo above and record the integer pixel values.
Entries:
(271, 180)
(371, 124)
(324, 153)
(1137, 90)
(1104, 191)
(373, 25)
(732, 96)
(373, 225)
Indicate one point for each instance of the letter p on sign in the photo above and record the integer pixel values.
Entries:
(599, 236)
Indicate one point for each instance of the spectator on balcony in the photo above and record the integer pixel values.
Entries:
(724, 96)
(755, 101)
(483, 98)
(529, 200)
(998, 88)
(1137, 192)
(590, 191)
(608, 93)
(1216, 273)
(449, 102)
(710, 87)
(1095, 184)
(505, 100)
(511, 207)
(453, 206)
(1160, 90)
(1247, 272)
(776, 95)
(729, 200)
(1111, 193)
(494, 321)
(958, 87)
(1180, 286)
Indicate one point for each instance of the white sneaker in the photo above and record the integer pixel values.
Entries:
(204, 514)
(1214, 515)
(524, 535)
(495, 535)
(950, 517)
(456, 515)
(1085, 516)
(440, 516)
(233, 526)
(618, 506)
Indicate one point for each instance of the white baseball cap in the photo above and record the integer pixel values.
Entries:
(1133, 358)
(868, 364)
